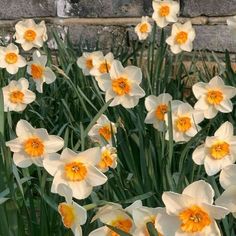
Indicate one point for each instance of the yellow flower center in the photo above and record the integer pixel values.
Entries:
(219, 150)
(161, 111)
(105, 132)
(214, 97)
(106, 160)
(34, 147)
(37, 71)
(122, 224)
(164, 11)
(30, 35)
(89, 63)
(104, 68)
(194, 219)
(143, 28)
(75, 171)
(183, 124)
(16, 97)
(11, 58)
(181, 37)
(67, 214)
(121, 86)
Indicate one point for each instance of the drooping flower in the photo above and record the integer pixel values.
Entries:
(194, 211)
(218, 151)
(73, 215)
(103, 130)
(143, 29)
(40, 72)
(185, 121)
(123, 86)
(17, 95)
(228, 182)
(165, 12)
(114, 215)
(10, 59)
(157, 107)
(30, 35)
(182, 36)
(108, 158)
(76, 170)
(32, 145)
(213, 97)
(85, 62)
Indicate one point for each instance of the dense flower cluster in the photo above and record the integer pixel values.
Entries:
(76, 174)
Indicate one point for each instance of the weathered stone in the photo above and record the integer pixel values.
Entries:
(194, 8)
(103, 8)
(13, 9)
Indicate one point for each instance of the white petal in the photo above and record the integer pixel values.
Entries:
(81, 213)
(216, 212)
(199, 89)
(135, 205)
(21, 160)
(226, 130)
(216, 82)
(102, 231)
(90, 156)
(228, 176)
(225, 106)
(24, 129)
(53, 143)
(15, 145)
(95, 177)
(81, 189)
(52, 163)
(199, 155)
(211, 112)
(133, 73)
(116, 69)
(50, 77)
(65, 191)
(201, 191)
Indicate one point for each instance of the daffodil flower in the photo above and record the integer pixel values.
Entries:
(17, 95)
(30, 35)
(213, 97)
(10, 59)
(143, 29)
(32, 145)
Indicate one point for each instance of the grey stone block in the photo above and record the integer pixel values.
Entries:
(103, 8)
(13, 9)
(194, 8)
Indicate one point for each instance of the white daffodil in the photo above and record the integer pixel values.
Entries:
(228, 182)
(194, 211)
(40, 72)
(143, 29)
(185, 121)
(73, 215)
(114, 215)
(213, 97)
(76, 170)
(10, 59)
(108, 158)
(182, 36)
(218, 151)
(17, 95)
(157, 107)
(30, 35)
(32, 146)
(123, 86)
(85, 62)
(231, 22)
(165, 12)
(103, 130)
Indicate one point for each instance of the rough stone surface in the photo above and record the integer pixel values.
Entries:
(103, 8)
(13, 9)
(194, 8)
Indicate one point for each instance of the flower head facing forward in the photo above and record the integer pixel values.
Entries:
(10, 59)
(182, 36)
(143, 29)
(123, 85)
(76, 170)
(87, 60)
(103, 130)
(30, 35)
(192, 212)
(157, 107)
(165, 12)
(213, 97)
(40, 72)
(218, 151)
(17, 95)
(185, 121)
(33, 145)
(228, 182)
(72, 214)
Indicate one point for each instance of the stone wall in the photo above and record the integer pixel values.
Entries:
(110, 21)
